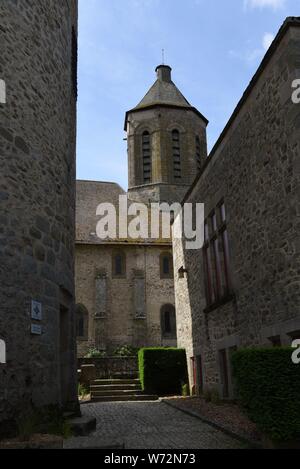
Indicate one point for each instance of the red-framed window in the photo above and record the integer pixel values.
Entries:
(216, 257)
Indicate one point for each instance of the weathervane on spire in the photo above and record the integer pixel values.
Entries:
(163, 56)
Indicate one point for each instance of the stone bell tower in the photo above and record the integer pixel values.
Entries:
(166, 143)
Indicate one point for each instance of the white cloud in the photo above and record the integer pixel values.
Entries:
(250, 56)
(275, 4)
(267, 40)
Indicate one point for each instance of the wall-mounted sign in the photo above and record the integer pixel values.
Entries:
(36, 311)
(36, 330)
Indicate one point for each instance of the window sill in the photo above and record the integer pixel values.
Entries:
(226, 299)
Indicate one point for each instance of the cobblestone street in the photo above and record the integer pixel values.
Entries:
(153, 425)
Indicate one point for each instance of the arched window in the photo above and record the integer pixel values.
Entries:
(166, 265)
(198, 153)
(168, 322)
(176, 154)
(147, 165)
(82, 318)
(119, 264)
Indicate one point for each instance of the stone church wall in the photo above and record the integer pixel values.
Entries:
(133, 302)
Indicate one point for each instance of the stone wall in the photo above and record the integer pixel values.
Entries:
(133, 302)
(112, 367)
(255, 168)
(37, 202)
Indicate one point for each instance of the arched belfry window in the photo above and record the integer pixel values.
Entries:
(198, 153)
(119, 264)
(168, 322)
(176, 154)
(82, 318)
(147, 164)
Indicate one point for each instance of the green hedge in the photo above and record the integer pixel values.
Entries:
(268, 386)
(163, 371)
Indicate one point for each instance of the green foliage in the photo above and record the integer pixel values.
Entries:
(126, 351)
(185, 390)
(162, 371)
(95, 353)
(268, 384)
(83, 391)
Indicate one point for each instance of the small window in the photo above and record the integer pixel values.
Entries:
(168, 322)
(119, 264)
(166, 266)
(147, 157)
(176, 155)
(82, 317)
(198, 153)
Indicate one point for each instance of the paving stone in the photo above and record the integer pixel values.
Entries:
(151, 425)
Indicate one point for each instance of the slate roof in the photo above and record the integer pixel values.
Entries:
(163, 92)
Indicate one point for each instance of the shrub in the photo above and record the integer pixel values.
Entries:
(126, 351)
(185, 390)
(83, 391)
(95, 353)
(267, 384)
(163, 371)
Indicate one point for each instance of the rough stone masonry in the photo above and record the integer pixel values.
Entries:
(243, 288)
(38, 62)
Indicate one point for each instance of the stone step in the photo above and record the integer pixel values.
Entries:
(122, 375)
(122, 398)
(126, 392)
(98, 382)
(115, 387)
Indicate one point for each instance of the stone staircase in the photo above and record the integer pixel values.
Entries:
(117, 390)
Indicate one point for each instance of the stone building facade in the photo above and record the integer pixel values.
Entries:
(38, 63)
(243, 288)
(136, 306)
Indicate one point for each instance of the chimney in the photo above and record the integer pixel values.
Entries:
(164, 73)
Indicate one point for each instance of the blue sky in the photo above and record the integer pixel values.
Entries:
(213, 46)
